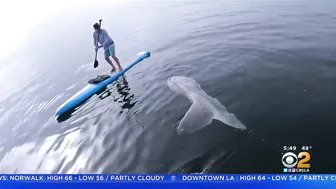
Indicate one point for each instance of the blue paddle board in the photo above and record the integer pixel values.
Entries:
(91, 89)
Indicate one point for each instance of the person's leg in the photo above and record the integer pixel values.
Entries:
(117, 61)
(108, 60)
(112, 53)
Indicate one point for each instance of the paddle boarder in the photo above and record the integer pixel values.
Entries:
(107, 43)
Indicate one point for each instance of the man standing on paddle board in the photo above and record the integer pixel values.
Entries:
(105, 41)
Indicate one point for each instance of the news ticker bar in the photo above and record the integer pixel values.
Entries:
(127, 178)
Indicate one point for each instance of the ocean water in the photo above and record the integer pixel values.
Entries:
(271, 63)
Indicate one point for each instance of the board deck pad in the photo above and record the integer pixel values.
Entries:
(98, 79)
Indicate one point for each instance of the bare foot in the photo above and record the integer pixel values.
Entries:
(113, 70)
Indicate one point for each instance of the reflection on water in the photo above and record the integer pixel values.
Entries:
(124, 96)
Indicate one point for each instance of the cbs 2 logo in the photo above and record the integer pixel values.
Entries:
(290, 160)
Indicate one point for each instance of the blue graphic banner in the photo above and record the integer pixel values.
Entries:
(168, 181)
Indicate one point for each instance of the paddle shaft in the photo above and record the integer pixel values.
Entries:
(98, 39)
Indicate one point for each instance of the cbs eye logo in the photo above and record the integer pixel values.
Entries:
(290, 160)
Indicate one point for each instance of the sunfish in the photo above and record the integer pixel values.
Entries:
(203, 109)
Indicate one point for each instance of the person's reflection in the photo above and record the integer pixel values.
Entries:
(123, 89)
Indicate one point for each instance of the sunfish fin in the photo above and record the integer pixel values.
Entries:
(224, 116)
(197, 117)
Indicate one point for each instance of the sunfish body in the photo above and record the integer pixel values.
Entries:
(203, 109)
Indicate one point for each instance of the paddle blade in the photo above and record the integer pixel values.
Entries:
(95, 65)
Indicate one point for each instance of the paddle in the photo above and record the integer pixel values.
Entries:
(95, 65)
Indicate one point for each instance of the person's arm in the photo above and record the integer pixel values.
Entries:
(95, 40)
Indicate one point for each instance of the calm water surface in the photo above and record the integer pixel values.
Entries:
(272, 64)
